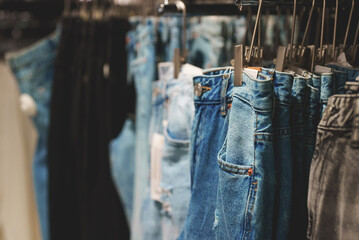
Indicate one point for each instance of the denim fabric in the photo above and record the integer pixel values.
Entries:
(283, 83)
(246, 188)
(327, 89)
(352, 73)
(311, 121)
(206, 44)
(122, 160)
(144, 73)
(176, 158)
(34, 70)
(212, 96)
(298, 221)
(333, 197)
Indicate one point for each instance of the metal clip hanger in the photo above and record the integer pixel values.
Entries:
(244, 56)
(321, 52)
(355, 46)
(179, 58)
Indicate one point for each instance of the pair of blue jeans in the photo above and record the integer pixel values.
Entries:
(282, 88)
(122, 160)
(212, 98)
(300, 96)
(143, 68)
(34, 70)
(172, 116)
(351, 74)
(246, 189)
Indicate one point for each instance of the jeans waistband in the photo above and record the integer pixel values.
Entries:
(40, 50)
(214, 86)
(342, 113)
(257, 92)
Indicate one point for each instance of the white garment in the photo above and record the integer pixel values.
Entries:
(18, 137)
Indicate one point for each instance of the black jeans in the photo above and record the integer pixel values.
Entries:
(89, 106)
(333, 197)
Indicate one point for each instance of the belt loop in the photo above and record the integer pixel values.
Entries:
(226, 77)
(355, 134)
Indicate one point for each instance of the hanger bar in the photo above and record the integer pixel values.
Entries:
(229, 9)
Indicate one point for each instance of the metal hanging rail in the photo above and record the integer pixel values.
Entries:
(215, 8)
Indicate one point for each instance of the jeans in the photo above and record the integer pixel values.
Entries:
(144, 73)
(175, 180)
(311, 121)
(327, 89)
(333, 197)
(34, 70)
(283, 83)
(298, 220)
(122, 160)
(212, 101)
(246, 189)
(352, 74)
(206, 44)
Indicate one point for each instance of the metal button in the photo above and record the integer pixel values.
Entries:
(198, 89)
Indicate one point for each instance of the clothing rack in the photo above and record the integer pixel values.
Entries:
(228, 8)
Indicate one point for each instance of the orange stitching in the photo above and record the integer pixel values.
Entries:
(221, 163)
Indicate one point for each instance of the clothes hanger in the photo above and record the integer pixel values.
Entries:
(354, 48)
(179, 58)
(348, 27)
(244, 56)
(321, 52)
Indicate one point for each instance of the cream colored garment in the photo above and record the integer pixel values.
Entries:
(18, 213)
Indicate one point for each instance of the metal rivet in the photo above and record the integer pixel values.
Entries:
(198, 89)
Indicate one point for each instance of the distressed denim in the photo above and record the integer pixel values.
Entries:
(122, 160)
(213, 91)
(246, 189)
(352, 74)
(311, 121)
(298, 220)
(333, 197)
(143, 68)
(283, 83)
(34, 70)
(176, 180)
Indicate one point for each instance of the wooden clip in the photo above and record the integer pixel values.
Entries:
(177, 62)
(279, 66)
(238, 65)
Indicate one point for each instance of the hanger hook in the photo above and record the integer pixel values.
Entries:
(248, 58)
(182, 7)
(293, 31)
(308, 23)
(322, 30)
(348, 27)
(335, 27)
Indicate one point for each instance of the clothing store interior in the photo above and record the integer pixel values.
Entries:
(188, 120)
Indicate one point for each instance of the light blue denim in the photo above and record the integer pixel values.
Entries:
(143, 68)
(175, 180)
(283, 83)
(246, 189)
(122, 163)
(300, 98)
(210, 125)
(206, 44)
(34, 71)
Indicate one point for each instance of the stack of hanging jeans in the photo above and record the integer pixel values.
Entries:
(88, 109)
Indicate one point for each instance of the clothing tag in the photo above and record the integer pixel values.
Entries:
(188, 69)
(322, 69)
(253, 73)
(157, 144)
(342, 60)
(28, 105)
(357, 79)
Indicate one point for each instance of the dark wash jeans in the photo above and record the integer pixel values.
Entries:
(246, 186)
(333, 197)
(298, 220)
(212, 100)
